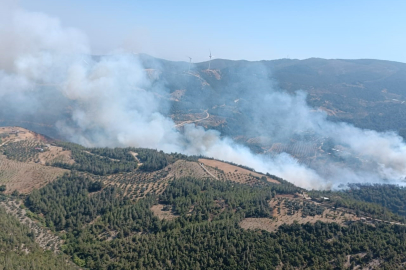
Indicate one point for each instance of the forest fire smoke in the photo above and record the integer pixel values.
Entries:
(114, 102)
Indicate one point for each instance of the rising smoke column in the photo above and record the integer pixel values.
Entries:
(115, 102)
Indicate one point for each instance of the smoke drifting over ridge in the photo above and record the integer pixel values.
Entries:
(113, 101)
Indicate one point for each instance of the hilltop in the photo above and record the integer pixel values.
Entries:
(368, 93)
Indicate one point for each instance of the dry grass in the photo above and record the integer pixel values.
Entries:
(56, 154)
(232, 172)
(25, 177)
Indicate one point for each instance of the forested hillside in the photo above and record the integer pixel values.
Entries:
(378, 198)
(18, 249)
(102, 161)
(136, 208)
(205, 234)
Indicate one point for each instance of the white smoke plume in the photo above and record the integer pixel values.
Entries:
(116, 102)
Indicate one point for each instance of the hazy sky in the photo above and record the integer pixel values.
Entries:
(252, 30)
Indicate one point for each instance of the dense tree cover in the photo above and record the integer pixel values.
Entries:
(224, 245)
(392, 197)
(308, 208)
(18, 249)
(100, 164)
(69, 203)
(204, 199)
(376, 201)
(206, 235)
(152, 160)
(102, 161)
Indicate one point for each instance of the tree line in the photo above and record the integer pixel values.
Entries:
(109, 232)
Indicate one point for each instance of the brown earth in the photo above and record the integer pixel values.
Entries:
(177, 95)
(232, 171)
(51, 154)
(19, 134)
(55, 154)
(161, 214)
(24, 177)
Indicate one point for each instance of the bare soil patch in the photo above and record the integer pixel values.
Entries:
(55, 154)
(177, 95)
(135, 155)
(159, 211)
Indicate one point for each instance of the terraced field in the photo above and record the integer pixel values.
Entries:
(24, 151)
(226, 171)
(43, 236)
(24, 177)
(137, 184)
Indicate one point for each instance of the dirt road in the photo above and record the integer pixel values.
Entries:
(193, 121)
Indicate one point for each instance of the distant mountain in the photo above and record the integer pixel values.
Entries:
(367, 93)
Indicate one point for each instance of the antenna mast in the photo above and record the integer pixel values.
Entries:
(209, 61)
(190, 62)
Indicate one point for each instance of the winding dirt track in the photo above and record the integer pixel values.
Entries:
(193, 121)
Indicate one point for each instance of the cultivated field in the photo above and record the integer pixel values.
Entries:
(137, 184)
(24, 177)
(225, 171)
(287, 210)
(43, 236)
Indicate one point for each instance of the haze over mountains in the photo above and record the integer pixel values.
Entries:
(255, 103)
(127, 161)
(288, 111)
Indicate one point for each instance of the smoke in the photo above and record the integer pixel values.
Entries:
(114, 101)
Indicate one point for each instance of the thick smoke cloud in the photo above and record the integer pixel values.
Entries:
(114, 101)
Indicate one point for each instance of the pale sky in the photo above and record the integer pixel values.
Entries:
(251, 30)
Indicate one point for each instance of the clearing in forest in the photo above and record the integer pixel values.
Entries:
(288, 211)
(162, 213)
